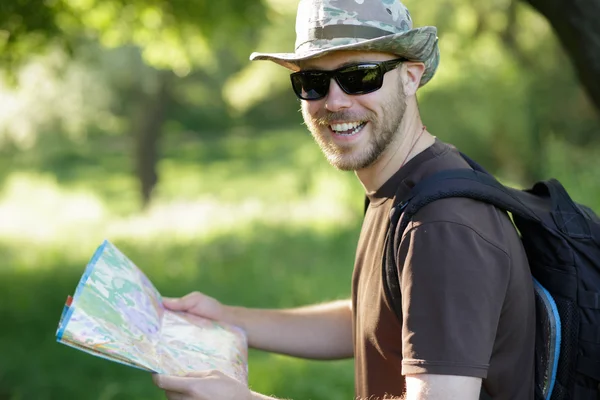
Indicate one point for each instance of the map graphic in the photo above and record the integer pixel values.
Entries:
(117, 313)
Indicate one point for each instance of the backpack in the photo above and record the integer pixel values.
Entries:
(562, 242)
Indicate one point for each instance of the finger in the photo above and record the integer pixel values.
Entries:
(177, 384)
(171, 303)
(184, 303)
(168, 383)
(211, 373)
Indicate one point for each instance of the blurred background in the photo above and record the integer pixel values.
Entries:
(143, 122)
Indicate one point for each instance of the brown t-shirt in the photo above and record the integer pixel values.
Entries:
(467, 294)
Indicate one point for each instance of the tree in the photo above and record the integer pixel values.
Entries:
(176, 35)
(576, 25)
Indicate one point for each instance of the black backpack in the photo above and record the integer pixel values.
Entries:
(562, 242)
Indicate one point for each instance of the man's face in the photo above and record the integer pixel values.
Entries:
(353, 131)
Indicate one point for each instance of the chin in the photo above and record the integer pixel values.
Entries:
(348, 162)
(343, 167)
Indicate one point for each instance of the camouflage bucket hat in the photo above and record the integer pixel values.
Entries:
(324, 26)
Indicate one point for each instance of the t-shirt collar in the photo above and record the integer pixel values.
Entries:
(396, 186)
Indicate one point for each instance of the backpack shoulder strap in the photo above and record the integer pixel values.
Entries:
(471, 184)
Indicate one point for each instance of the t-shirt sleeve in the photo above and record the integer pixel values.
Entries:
(453, 284)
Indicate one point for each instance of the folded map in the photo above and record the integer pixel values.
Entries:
(117, 313)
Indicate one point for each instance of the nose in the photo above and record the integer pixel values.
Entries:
(337, 99)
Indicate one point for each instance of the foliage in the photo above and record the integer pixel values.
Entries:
(176, 34)
(504, 83)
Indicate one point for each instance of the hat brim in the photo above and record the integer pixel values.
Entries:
(419, 45)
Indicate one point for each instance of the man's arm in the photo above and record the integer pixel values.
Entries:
(214, 385)
(429, 387)
(206, 385)
(442, 387)
(438, 387)
(322, 331)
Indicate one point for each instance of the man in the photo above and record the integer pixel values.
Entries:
(467, 328)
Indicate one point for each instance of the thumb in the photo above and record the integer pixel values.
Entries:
(173, 303)
(200, 374)
(186, 303)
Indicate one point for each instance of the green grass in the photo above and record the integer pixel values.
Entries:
(275, 267)
(261, 222)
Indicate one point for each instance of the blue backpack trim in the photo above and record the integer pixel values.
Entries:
(554, 336)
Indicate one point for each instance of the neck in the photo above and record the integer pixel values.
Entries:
(411, 139)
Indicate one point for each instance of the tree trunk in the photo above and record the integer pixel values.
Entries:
(577, 25)
(148, 128)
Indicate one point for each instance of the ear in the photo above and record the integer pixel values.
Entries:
(412, 77)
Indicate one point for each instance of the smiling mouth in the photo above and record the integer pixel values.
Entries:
(347, 128)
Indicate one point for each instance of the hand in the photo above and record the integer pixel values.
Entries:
(199, 304)
(207, 385)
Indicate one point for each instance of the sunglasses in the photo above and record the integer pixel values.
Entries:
(353, 79)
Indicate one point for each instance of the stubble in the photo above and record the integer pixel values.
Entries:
(383, 129)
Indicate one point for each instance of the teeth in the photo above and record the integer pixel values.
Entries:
(345, 126)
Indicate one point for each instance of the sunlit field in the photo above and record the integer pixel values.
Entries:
(258, 221)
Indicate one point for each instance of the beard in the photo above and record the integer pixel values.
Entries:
(383, 130)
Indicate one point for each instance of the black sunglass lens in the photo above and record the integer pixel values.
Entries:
(310, 85)
(360, 79)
